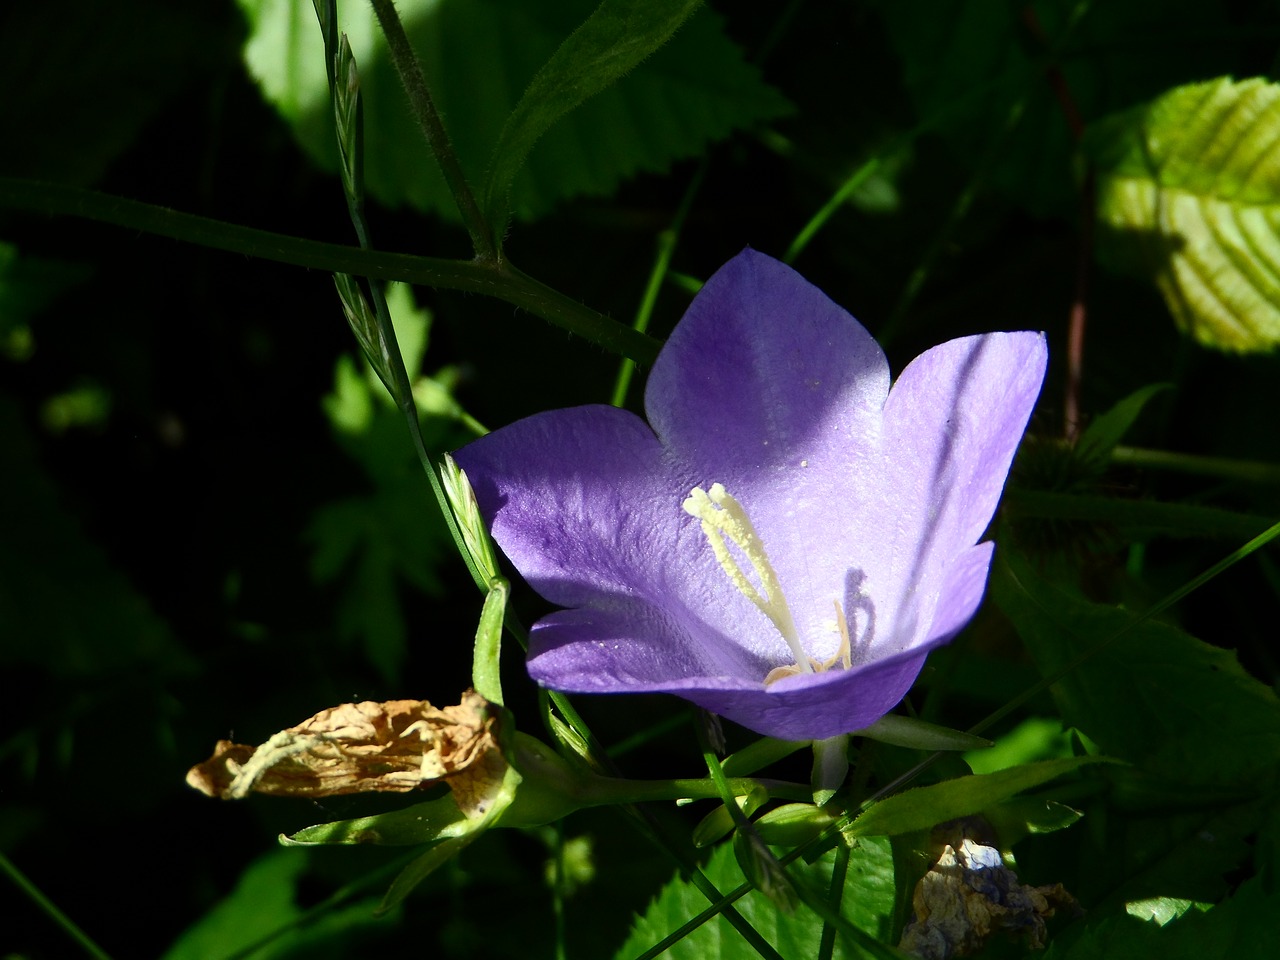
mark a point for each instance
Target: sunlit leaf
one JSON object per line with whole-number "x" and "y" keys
{"x": 1036, "y": 738}
{"x": 480, "y": 56}
{"x": 1190, "y": 183}
{"x": 614, "y": 39}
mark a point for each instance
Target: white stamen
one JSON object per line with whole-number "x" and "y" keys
{"x": 845, "y": 653}
{"x": 723, "y": 518}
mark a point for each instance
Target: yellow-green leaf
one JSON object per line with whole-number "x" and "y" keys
{"x": 1190, "y": 186}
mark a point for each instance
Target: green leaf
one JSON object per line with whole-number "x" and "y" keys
{"x": 925, "y": 807}
{"x": 867, "y": 904}
{"x": 1171, "y": 704}
{"x": 1190, "y": 186}
{"x": 479, "y": 56}
{"x": 1036, "y": 738}
{"x": 1109, "y": 428}
{"x": 612, "y": 41}
{"x": 263, "y": 910}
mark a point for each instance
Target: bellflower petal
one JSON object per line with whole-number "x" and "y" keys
{"x": 866, "y": 504}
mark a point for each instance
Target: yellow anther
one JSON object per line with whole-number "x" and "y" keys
{"x": 723, "y": 522}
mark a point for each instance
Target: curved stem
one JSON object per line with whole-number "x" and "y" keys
{"x": 495, "y": 278}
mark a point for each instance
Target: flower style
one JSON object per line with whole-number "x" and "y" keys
{"x": 787, "y": 537}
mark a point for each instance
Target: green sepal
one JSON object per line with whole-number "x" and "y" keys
{"x": 792, "y": 824}
{"x": 550, "y": 789}
{"x": 719, "y": 821}
{"x": 830, "y": 767}
{"x": 916, "y": 734}
{"x": 924, "y": 807}
{"x": 428, "y": 822}
{"x": 763, "y": 871}
{"x": 485, "y": 676}
{"x": 758, "y": 755}
{"x": 421, "y": 868}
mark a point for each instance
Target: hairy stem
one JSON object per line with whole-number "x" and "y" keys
{"x": 495, "y": 278}
{"x": 424, "y": 111}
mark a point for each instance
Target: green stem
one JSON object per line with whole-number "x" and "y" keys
{"x": 667, "y": 240}
{"x": 1250, "y": 471}
{"x": 819, "y": 219}
{"x": 603, "y": 791}
{"x": 1172, "y": 519}
{"x": 424, "y": 111}
{"x": 495, "y": 279}
{"x": 835, "y": 897}
{"x": 50, "y": 909}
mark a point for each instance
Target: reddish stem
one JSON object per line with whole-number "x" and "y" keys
{"x": 1079, "y": 305}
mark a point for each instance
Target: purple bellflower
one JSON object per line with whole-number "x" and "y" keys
{"x": 787, "y": 537}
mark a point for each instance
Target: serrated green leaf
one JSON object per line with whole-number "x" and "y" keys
{"x": 1162, "y": 699}
{"x": 1241, "y": 926}
{"x": 925, "y": 807}
{"x": 867, "y": 904}
{"x": 479, "y": 56}
{"x": 1190, "y": 184}
{"x": 613, "y": 40}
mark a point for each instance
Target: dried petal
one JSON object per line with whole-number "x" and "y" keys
{"x": 395, "y": 746}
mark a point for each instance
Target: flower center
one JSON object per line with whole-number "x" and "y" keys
{"x": 724, "y": 522}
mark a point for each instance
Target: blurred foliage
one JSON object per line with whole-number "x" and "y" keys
{"x": 368, "y": 545}
{"x": 212, "y": 521}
